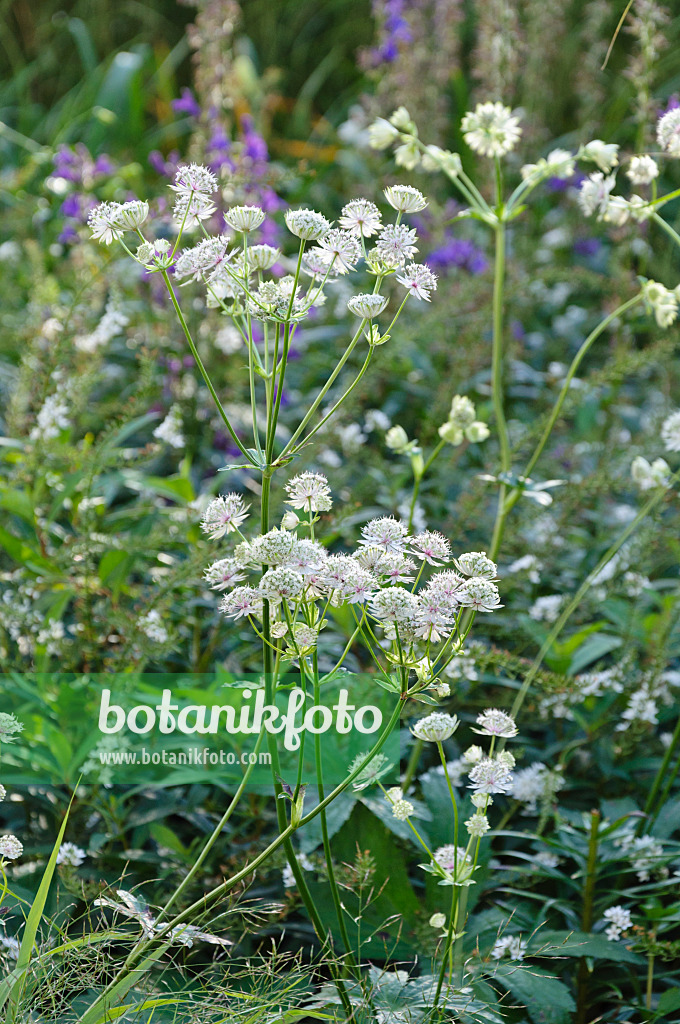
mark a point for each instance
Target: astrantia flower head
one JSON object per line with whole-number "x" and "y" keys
{"x": 436, "y": 727}
{"x": 262, "y": 257}
{"x": 108, "y": 220}
{"x": 307, "y": 557}
{"x": 642, "y": 170}
{"x": 339, "y": 249}
{"x": 281, "y": 583}
{"x": 224, "y": 515}
{"x": 9, "y": 727}
{"x": 191, "y": 208}
{"x": 480, "y": 594}
{"x": 397, "y": 243}
{"x": 432, "y": 547}
{"x": 493, "y": 722}
{"x": 223, "y": 574}
{"x": 367, "y": 306}
{"x": 3, "y": 793}
{"x": 244, "y": 218}
{"x": 242, "y": 601}
{"x": 476, "y": 563}
{"x": 418, "y": 280}
{"x": 194, "y": 178}
{"x": 382, "y": 134}
{"x": 668, "y": 131}
{"x": 670, "y": 432}
{"x": 449, "y": 856}
{"x": 405, "y": 198}
{"x": 272, "y": 548}
{"x": 663, "y": 302}
{"x": 204, "y": 259}
{"x": 595, "y": 192}
{"x": 478, "y": 825}
{"x": 491, "y": 129}
{"x": 155, "y": 255}
{"x": 10, "y": 847}
{"x": 402, "y": 809}
{"x": 309, "y": 491}
{"x": 463, "y": 415}
{"x": 360, "y": 217}
{"x": 307, "y": 224}
{"x": 71, "y": 854}
{"x": 386, "y": 533}
{"x": 604, "y": 154}
{"x": 490, "y": 776}
{"x": 394, "y": 604}
{"x": 648, "y": 475}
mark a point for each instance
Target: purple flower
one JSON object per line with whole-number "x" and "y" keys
{"x": 458, "y": 252}
{"x": 166, "y": 168}
{"x": 255, "y": 147}
{"x": 186, "y": 104}
{"x": 587, "y": 246}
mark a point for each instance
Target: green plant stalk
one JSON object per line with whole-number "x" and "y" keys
{"x": 452, "y": 947}
{"x": 587, "y": 916}
{"x": 201, "y": 367}
{"x": 649, "y": 992}
{"x": 663, "y": 773}
{"x": 213, "y": 897}
{"x": 497, "y": 383}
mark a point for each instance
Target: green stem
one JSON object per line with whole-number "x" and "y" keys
{"x": 587, "y": 915}
{"x": 662, "y": 774}
{"x": 202, "y": 369}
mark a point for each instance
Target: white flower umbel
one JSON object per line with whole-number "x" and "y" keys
{"x": 244, "y": 218}
{"x": 436, "y": 727}
{"x": 405, "y": 198}
{"x": 307, "y": 224}
{"x": 397, "y": 243}
{"x": 281, "y": 584}
{"x": 10, "y": 726}
{"x": 309, "y": 491}
{"x": 480, "y": 594}
{"x": 476, "y": 563}
{"x": 490, "y": 775}
{"x": 648, "y": 475}
{"x": 494, "y": 722}
{"x": 191, "y": 208}
{"x": 594, "y": 194}
{"x": 170, "y": 430}
{"x": 207, "y": 259}
{"x": 604, "y": 154}
{"x": 619, "y": 920}
{"x": 642, "y": 170}
{"x": 511, "y": 946}
{"x": 71, "y": 854}
{"x": 546, "y": 608}
{"x": 108, "y": 221}
{"x": 262, "y": 257}
{"x": 224, "y": 515}
{"x": 194, "y": 178}
{"x": 670, "y": 432}
{"x": 367, "y": 306}
{"x": 242, "y": 601}
{"x": 668, "y": 132}
{"x": 663, "y": 302}
{"x": 478, "y": 825}
{"x": 223, "y": 574}
{"x": 418, "y": 280}
{"x": 340, "y": 249}
{"x": 361, "y": 218}
{"x": 386, "y": 533}
{"x": 491, "y": 129}
{"x": 10, "y": 847}
{"x": 431, "y": 547}
{"x": 151, "y": 626}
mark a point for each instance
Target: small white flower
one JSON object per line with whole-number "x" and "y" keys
{"x": 619, "y": 922}
{"x": 436, "y": 727}
{"x": 360, "y": 217}
{"x": 194, "y": 178}
{"x": 281, "y": 584}
{"x": 490, "y": 775}
{"x": 307, "y": 224}
{"x": 367, "y": 306}
{"x": 491, "y": 129}
{"x": 407, "y": 155}
{"x": 152, "y": 627}
{"x": 382, "y": 134}
{"x": 670, "y": 432}
{"x": 477, "y": 432}
{"x": 262, "y": 257}
{"x": 224, "y": 515}
{"x": 547, "y": 608}
{"x": 339, "y": 250}
{"x": 478, "y": 825}
{"x": 418, "y": 280}
{"x": 432, "y": 547}
{"x": 396, "y": 243}
{"x": 242, "y": 601}
{"x": 494, "y": 722}
{"x": 664, "y": 303}
{"x": 402, "y": 809}
{"x": 405, "y": 198}
{"x": 170, "y": 430}
{"x": 223, "y": 574}
{"x": 10, "y": 847}
{"x": 642, "y": 170}
{"x": 594, "y": 194}
{"x": 386, "y": 533}
{"x": 10, "y": 726}
{"x": 480, "y": 594}
{"x": 509, "y": 945}
{"x": 244, "y": 218}
{"x": 71, "y": 854}
{"x": 3, "y": 793}
{"x": 109, "y": 220}
{"x": 604, "y": 154}
{"x": 437, "y": 921}
{"x": 309, "y": 491}
{"x": 668, "y": 132}
{"x": 476, "y": 563}
{"x": 648, "y": 475}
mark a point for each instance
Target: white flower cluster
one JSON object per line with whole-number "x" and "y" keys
{"x": 670, "y": 432}
{"x": 648, "y": 475}
{"x": 113, "y": 322}
{"x": 71, "y": 855}
{"x": 109, "y": 221}
{"x": 619, "y": 920}
{"x": 170, "y": 430}
{"x": 10, "y": 848}
{"x": 512, "y": 946}
{"x": 491, "y": 129}
{"x": 645, "y": 854}
{"x": 533, "y": 784}
{"x": 462, "y": 423}
{"x": 301, "y": 572}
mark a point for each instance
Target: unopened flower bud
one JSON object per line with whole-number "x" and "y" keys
{"x": 396, "y": 438}
{"x": 438, "y": 920}
{"x": 477, "y": 432}
{"x": 401, "y": 119}
{"x": 451, "y": 433}
{"x": 289, "y": 521}
{"x": 473, "y": 754}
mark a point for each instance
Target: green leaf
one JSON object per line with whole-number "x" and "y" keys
{"x": 547, "y": 1000}
{"x": 11, "y": 988}
{"x": 670, "y": 1000}
{"x": 578, "y": 944}
{"x": 595, "y": 647}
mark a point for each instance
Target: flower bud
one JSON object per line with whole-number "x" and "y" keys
{"x": 477, "y": 432}
{"x": 396, "y": 438}
{"x": 289, "y": 521}
{"x": 438, "y": 920}
{"x": 451, "y": 433}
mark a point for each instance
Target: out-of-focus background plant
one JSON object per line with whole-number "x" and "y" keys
{"x": 110, "y": 449}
